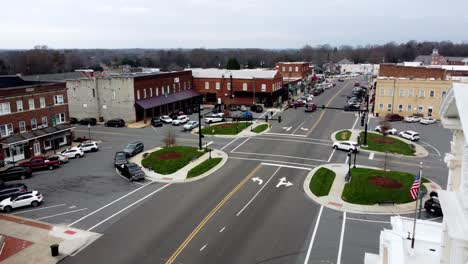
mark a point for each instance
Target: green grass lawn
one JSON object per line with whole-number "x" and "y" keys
{"x": 260, "y": 128}
{"x": 394, "y": 145}
{"x": 343, "y": 135}
{"x": 170, "y": 159}
{"x": 360, "y": 191}
{"x": 203, "y": 167}
{"x": 322, "y": 181}
{"x": 226, "y": 128}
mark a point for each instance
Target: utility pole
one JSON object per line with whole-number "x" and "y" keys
{"x": 200, "y": 136}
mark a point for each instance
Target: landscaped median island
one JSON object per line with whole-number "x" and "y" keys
{"x": 343, "y": 135}
{"x": 203, "y": 167}
{"x": 377, "y": 142}
{"x": 260, "y": 128}
{"x": 170, "y": 159}
{"x": 370, "y": 186}
{"x": 226, "y": 128}
{"x": 321, "y": 182}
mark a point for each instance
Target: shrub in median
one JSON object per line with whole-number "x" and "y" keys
{"x": 260, "y": 128}
{"x": 170, "y": 159}
{"x": 203, "y": 167}
{"x": 343, "y": 135}
{"x": 322, "y": 181}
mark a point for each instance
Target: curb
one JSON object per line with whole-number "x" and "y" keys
{"x": 242, "y": 134}
{"x": 212, "y": 170}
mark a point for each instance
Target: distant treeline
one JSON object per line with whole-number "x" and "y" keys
{"x": 42, "y": 60}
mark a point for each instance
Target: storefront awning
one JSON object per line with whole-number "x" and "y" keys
{"x": 34, "y": 134}
{"x": 162, "y": 100}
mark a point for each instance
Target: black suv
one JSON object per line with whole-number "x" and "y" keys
{"x": 156, "y": 121}
{"x": 134, "y": 148}
{"x": 9, "y": 190}
{"x": 131, "y": 171}
{"x": 256, "y": 108}
{"x": 73, "y": 120}
{"x": 117, "y": 122}
{"x": 120, "y": 158}
{"x": 88, "y": 121}
{"x": 15, "y": 173}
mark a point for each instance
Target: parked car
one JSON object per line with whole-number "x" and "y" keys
{"x": 61, "y": 158}
{"x": 233, "y": 107}
{"x": 33, "y": 198}
{"x": 246, "y": 116}
{"x": 40, "y": 163}
{"x": 391, "y": 131}
{"x": 117, "y": 122}
{"x": 9, "y": 190}
{"x": 88, "y": 121}
{"x": 298, "y": 103}
{"x": 256, "y": 108}
{"x": 410, "y": 135}
{"x": 243, "y": 108}
{"x": 134, "y": 148}
{"x": 352, "y": 107}
{"x": 427, "y": 120}
{"x": 131, "y": 171}
{"x": 120, "y": 158}
{"x": 174, "y": 115}
{"x": 357, "y": 84}
{"x": 89, "y": 146}
{"x": 412, "y": 119}
{"x": 73, "y": 153}
{"x": 166, "y": 119}
{"x": 433, "y": 205}
{"x": 214, "y": 118}
{"x": 157, "y": 122}
{"x": 340, "y": 79}
{"x": 346, "y": 145}
{"x": 73, "y": 120}
{"x": 182, "y": 119}
{"x": 393, "y": 117}
{"x": 310, "y": 107}
{"x": 190, "y": 125}
{"x": 15, "y": 173}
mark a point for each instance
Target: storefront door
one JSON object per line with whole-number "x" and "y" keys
{"x": 37, "y": 149}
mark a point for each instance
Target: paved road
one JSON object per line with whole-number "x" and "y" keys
{"x": 230, "y": 218}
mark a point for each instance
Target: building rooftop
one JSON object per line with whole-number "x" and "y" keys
{"x": 55, "y": 77}
{"x": 293, "y": 62}
{"x": 14, "y": 81}
{"x": 236, "y": 74}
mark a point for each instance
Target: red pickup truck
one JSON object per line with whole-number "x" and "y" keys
{"x": 40, "y": 163}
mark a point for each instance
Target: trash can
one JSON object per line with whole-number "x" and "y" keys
{"x": 54, "y": 250}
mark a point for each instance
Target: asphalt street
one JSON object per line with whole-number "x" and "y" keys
{"x": 252, "y": 210}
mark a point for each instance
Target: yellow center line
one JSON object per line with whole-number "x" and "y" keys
{"x": 210, "y": 215}
{"x": 323, "y": 112}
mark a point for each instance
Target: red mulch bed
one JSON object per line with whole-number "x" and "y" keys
{"x": 386, "y": 141}
{"x": 385, "y": 183}
{"x": 225, "y": 126}
{"x": 169, "y": 156}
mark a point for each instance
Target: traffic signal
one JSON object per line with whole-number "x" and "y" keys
{"x": 323, "y": 107}
{"x": 363, "y": 117}
{"x": 279, "y": 119}
{"x": 266, "y": 118}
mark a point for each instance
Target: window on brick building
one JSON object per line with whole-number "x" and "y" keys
{"x": 263, "y": 87}
{"x": 244, "y": 87}
{"x": 138, "y": 94}
{"x": 218, "y": 86}
{"x": 297, "y": 69}
{"x": 6, "y": 130}
{"x": 151, "y": 91}
{"x": 185, "y": 86}
{"x": 173, "y": 87}
{"x": 33, "y": 123}
{"x": 157, "y": 91}
{"x": 31, "y": 104}
{"x": 44, "y": 121}
{"x": 19, "y": 106}
{"x": 60, "y": 118}
{"x": 42, "y": 103}
{"x": 229, "y": 86}
{"x": 431, "y": 94}
{"x": 188, "y": 85}
{"x": 22, "y": 126}
{"x": 290, "y": 68}
{"x": 207, "y": 85}
{"x": 144, "y": 93}
{"x": 58, "y": 99}
{"x": 284, "y": 69}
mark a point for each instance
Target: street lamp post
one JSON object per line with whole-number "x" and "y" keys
{"x": 89, "y": 131}
{"x": 349, "y": 165}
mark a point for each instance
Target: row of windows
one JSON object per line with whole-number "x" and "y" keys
{"x": 274, "y": 86}
{"x": 290, "y": 68}
{"x": 409, "y": 108}
{"x": 7, "y": 129}
{"x": 164, "y": 90}
{"x": 5, "y": 108}
{"x": 409, "y": 92}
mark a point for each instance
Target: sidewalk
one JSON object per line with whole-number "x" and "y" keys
{"x": 333, "y": 199}
{"x": 29, "y": 241}
{"x": 181, "y": 175}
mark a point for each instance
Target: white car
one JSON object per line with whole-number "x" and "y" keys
{"x": 214, "y": 118}
{"x": 73, "y": 153}
{"x": 61, "y": 158}
{"x": 427, "y": 120}
{"x": 410, "y": 135}
{"x": 411, "y": 119}
{"x": 190, "y": 125}
{"x": 89, "y": 146}
{"x": 346, "y": 145}
{"x": 33, "y": 199}
{"x": 182, "y": 119}
{"x": 166, "y": 119}
{"x": 391, "y": 131}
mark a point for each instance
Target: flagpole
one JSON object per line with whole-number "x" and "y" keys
{"x": 416, "y": 208}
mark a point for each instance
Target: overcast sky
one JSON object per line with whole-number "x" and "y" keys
{"x": 227, "y": 24}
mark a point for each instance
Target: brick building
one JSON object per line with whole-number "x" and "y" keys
{"x": 33, "y": 117}
{"x": 436, "y": 59}
{"x": 410, "y": 90}
{"x": 294, "y": 70}
{"x": 131, "y": 96}
{"x": 249, "y": 86}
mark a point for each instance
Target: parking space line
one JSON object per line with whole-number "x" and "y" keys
{"x": 277, "y": 161}
{"x": 276, "y": 155}
{"x": 90, "y": 214}
{"x": 42, "y": 208}
{"x": 340, "y": 248}
{"x": 253, "y": 198}
{"x": 240, "y": 145}
{"x": 69, "y": 212}
{"x": 139, "y": 200}
{"x": 313, "y": 236}
{"x": 331, "y": 155}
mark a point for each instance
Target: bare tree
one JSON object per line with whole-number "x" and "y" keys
{"x": 385, "y": 126}
{"x": 170, "y": 139}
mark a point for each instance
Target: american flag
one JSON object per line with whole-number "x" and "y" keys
{"x": 414, "y": 190}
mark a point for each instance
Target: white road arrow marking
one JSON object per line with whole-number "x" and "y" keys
{"x": 287, "y": 128}
{"x": 256, "y": 179}
{"x": 284, "y": 182}
{"x": 305, "y": 129}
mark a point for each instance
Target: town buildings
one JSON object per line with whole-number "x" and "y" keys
{"x": 239, "y": 87}
{"x": 410, "y": 90}
{"x": 33, "y": 117}
{"x": 362, "y": 68}
{"x": 132, "y": 96}
{"x": 294, "y": 70}
{"x": 436, "y": 59}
